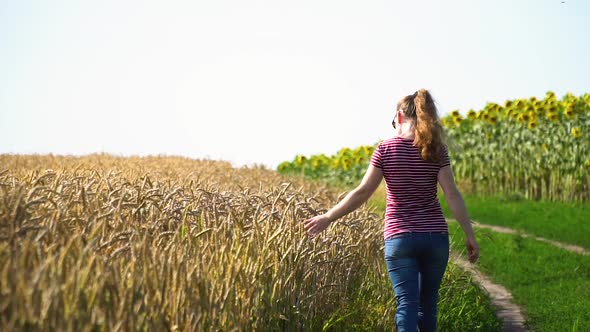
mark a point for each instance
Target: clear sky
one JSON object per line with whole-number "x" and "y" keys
{"x": 262, "y": 81}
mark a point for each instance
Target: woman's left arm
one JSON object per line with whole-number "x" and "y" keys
{"x": 351, "y": 202}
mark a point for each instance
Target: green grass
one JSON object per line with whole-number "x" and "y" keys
{"x": 463, "y": 306}
{"x": 551, "y": 284}
{"x": 565, "y": 222}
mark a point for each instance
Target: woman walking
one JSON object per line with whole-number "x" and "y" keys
{"x": 415, "y": 231}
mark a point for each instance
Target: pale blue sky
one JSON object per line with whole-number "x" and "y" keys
{"x": 262, "y": 81}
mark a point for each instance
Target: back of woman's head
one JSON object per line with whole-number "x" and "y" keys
{"x": 428, "y": 135}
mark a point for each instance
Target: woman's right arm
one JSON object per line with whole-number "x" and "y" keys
{"x": 457, "y": 206}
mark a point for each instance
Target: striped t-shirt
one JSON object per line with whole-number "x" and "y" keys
{"x": 411, "y": 204}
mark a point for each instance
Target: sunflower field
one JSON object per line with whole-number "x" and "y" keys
{"x": 346, "y": 167}
{"x": 535, "y": 148}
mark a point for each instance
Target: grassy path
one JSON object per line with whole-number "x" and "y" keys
{"x": 506, "y": 310}
{"x": 506, "y": 230}
{"x": 558, "y": 221}
{"x": 551, "y": 284}
{"x": 522, "y": 247}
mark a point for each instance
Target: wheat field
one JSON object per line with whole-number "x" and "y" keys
{"x": 167, "y": 243}
{"x": 103, "y": 243}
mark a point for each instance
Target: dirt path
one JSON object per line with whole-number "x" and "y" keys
{"x": 506, "y": 230}
{"x": 509, "y": 313}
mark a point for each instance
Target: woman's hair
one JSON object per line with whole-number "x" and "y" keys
{"x": 428, "y": 130}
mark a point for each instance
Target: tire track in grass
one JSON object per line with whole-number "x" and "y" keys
{"x": 506, "y": 230}
{"x": 509, "y": 313}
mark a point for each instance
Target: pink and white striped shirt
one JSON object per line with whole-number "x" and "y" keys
{"x": 411, "y": 203}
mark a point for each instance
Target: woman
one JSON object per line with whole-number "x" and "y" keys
{"x": 415, "y": 231}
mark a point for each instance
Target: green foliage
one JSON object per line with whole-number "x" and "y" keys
{"x": 537, "y": 148}
{"x": 561, "y": 221}
{"x": 347, "y": 167}
{"x": 551, "y": 284}
{"x": 463, "y": 305}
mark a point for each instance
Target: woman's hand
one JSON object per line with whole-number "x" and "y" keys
{"x": 354, "y": 199}
{"x": 472, "y": 249}
{"x": 314, "y": 226}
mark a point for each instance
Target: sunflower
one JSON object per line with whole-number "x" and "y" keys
{"x": 533, "y": 124}
{"x": 345, "y": 152}
{"x": 299, "y": 160}
{"x": 316, "y": 163}
{"x": 335, "y": 163}
{"x": 552, "y": 116}
{"x": 493, "y": 119}
{"x": 523, "y": 117}
{"x": 569, "y": 112}
{"x": 283, "y": 166}
{"x": 346, "y": 163}
{"x": 576, "y": 132}
{"x": 455, "y": 113}
{"x": 457, "y": 119}
{"x": 588, "y": 162}
{"x": 471, "y": 115}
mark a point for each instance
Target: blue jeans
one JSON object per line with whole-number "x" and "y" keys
{"x": 416, "y": 263}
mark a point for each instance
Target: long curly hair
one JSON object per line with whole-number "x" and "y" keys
{"x": 428, "y": 131}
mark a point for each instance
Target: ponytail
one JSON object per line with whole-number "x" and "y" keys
{"x": 428, "y": 132}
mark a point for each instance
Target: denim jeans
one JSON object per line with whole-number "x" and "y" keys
{"x": 416, "y": 263}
